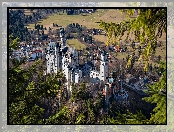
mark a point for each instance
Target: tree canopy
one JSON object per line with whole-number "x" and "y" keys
{"x": 146, "y": 28}
{"x": 26, "y": 89}
{"x": 158, "y": 95}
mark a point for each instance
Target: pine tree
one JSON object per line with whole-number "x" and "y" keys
{"x": 80, "y": 119}
{"x": 158, "y": 96}
{"x": 74, "y": 93}
{"x": 91, "y": 115}
{"x": 26, "y": 88}
{"x": 61, "y": 117}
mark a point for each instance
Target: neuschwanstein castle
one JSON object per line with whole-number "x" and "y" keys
{"x": 61, "y": 57}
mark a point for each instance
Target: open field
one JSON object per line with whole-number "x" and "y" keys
{"x": 107, "y": 15}
{"x": 101, "y": 38}
{"x": 63, "y": 19}
{"x": 119, "y": 55}
{"x": 75, "y": 44}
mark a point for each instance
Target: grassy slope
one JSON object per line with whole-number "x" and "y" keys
{"x": 75, "y": 44}
{"x": 107, "y": 15}
{"x": 64, "y": 20}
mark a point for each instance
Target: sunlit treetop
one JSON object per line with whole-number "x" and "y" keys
{"x": 146, "y": 28}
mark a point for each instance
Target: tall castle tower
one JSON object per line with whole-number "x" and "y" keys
{"x": 75, "y": 57}
{"x": 62, "y": 37}
{"x": 52, "y": 58}
{"x": 104, "y": 66}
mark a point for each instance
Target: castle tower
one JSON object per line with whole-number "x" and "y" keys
{"x": 67, "y": 72}
{"x": 104, "y": 66}
{"x": 77, "y": 76}
{"x": 93, "y": 62}
{"x": 52, "y": 58}
{"x": 64, "y": 62}
{"x": 76, "y": 61}
{"x": 62, "y": 37}
{"x": 60, "y": 61}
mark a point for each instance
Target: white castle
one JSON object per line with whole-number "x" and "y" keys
{"x": 64, "y": 58}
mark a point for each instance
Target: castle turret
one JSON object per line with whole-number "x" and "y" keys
{"x": 76, "y": 61}
{"x": 104, "y": 67}
{"x": 67, "y": 72}
{"x": 62, "y": 37}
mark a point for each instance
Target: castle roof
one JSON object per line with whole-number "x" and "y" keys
{"x": 64, "y": 50}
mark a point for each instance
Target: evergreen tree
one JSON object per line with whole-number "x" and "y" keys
{"x": 158, "y": 96}
{"x": 61, "y": 117}
{"x": 26, "y": 88}
{"x": 146, "y": 22}
{"x": 91, "y": 116}
{"x": 74, "y": 93}
{"x": 80, "y": 119}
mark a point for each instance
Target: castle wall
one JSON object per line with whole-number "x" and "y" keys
{"x": 78, "y": 76}
{"x": 57, "y": 59}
